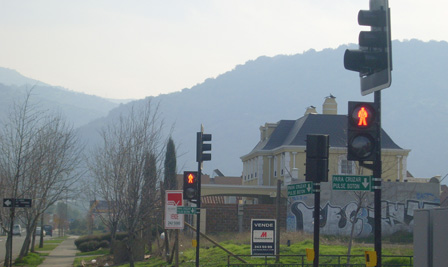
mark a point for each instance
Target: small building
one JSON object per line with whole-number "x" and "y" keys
{"x": 280, "y": 152}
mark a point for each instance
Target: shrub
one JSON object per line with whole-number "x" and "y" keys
{"x": 401, "y": 237}
{"x": 89, "y": 246}
{"x": 81, "y": 240}
{"x": 98, "y": 238}
{"x": 121, "y": 236}
{"x": 104, "y": 244}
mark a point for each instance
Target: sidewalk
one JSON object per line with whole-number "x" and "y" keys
{"x": 63, "y": 255}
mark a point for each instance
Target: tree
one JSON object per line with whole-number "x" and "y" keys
{"x": 119, "y": 166}
{"x": 40, "y": 158}
{"x": 150, "y": 198}
{"x": 170, "y": 182}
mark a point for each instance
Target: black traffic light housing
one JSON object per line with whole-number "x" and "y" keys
{"x": 362, "y": 132}
{"x": 373, "y": 59}
{"x": 201, "y": 147}
{"x": 191, "y": 186}
{"x": 317, "y": 146}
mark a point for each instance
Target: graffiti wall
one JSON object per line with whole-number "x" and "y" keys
{"x": 342, "y": 212}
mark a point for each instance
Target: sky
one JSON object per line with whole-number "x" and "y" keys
{"x": 133, "y": 49}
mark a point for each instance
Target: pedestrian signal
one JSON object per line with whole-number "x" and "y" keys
{"x": 191, "y": 186}
{"x": 362, "y": 132}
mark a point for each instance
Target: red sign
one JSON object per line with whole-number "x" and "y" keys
{"x": 173, "y": 199}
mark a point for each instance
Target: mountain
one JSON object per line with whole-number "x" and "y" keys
{"x": 78, "y": 108}
{"x": 12, "y": 77}
{"x": 235, "y": 104}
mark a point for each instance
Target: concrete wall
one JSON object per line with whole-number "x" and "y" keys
{"x": 431, "y": 237}
{"x": 230, "y": 217}
{"x": 399, "y": 200}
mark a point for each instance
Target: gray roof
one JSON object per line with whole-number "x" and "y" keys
{"x": 294, "y": 132}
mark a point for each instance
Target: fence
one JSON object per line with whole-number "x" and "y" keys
{"x": 324, "y": 260}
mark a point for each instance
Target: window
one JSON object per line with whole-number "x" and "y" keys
{"x": 275, "y": 166}
{"x": 282, "y": 163}
{"x": 346, "y": 166}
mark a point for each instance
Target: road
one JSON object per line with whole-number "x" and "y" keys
{"x": 17, "y": 243}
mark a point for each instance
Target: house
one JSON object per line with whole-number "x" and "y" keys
{"x": 280, "y": 152}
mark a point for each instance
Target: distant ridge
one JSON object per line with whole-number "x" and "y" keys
{"x": 78, "y": 108}
{"x": 12, "y": 77}
{"x": 233, "y": 105}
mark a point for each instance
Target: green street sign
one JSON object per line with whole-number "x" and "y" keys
{"x": 186, "y": 210}
{"x": 351, "y": 183}
{"x": 300, "y": 189}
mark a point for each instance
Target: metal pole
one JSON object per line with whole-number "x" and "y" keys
{"x": 316, "y": 223}
{"x": 198, "y": 215}
{"x": 277, "y": 226}
{"x": 377, "y": 170}
{"x": 13, "y": 208}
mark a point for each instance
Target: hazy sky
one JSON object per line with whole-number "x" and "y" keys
{"x": 133, "y": 49}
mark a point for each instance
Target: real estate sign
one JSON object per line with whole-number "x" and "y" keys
{"x": 263, "y": 237}
{"x": 173, "y": 199}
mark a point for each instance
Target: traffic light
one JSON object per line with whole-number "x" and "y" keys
{"x": 201, "y": 147}
{"x": 373, "y": 59}
{"x": 362, "y": 133}
{"x": 317, "y": 146}
{"x": 191, "y": 186}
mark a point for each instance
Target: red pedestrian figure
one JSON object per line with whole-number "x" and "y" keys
{"x": 362, "y": 115}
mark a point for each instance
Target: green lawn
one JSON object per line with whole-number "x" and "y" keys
{"x": 211, "y": 255}
{"x": 31, "y": 260}
{"x": 101, "y": 251}
{"x": 214, "y": 256}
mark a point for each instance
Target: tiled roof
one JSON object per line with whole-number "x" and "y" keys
{"x": 294, "y": 132}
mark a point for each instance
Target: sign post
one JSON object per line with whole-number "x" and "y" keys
{"x": 17, "y": 202}
{"x": 300, "y": 189}
{"x": 187, "y": 210}
{"x": 14, "y": 203}
{"x": 351, "y": 183}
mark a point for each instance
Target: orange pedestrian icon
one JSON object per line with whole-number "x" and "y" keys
{"x": 190, "y": 178}
{"x": 362, "y": 115}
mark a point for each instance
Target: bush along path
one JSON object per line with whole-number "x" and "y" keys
{"x": 63, "y": 255}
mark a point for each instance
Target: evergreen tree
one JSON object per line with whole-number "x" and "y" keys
{"x": 170, "y": 182}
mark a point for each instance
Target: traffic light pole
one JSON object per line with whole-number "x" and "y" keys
{"x": 198, "y": 214}
{"x": 377, "y": 170}
{"x": 316, "y": 223}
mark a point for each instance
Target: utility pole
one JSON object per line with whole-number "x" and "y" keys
{"x": 377, "y": 170}
{"x": 317, "y": 150}
{"x": 200, "y": 157}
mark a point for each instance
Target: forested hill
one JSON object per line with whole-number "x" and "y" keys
{"x": 78, "y": 108}
{"x": 233, "y": 105}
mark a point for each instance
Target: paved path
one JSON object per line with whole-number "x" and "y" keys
{"x": 63, "y": 255}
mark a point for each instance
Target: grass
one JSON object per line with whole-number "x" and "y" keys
{"x": 77, "y": 262}
{"x": 56, "y": 240}
{"x": 35, "y": 258}
{"x": 31, "y": 260}
{"x": 239, "y": 244}
{"x": 101, "y": 251}
{"x": 46, "y": 247}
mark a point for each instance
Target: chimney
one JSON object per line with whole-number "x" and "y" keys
{"x": 267, "y": 130}
{"x": 310, "y": 110}
{"x": 330, "y": 107}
